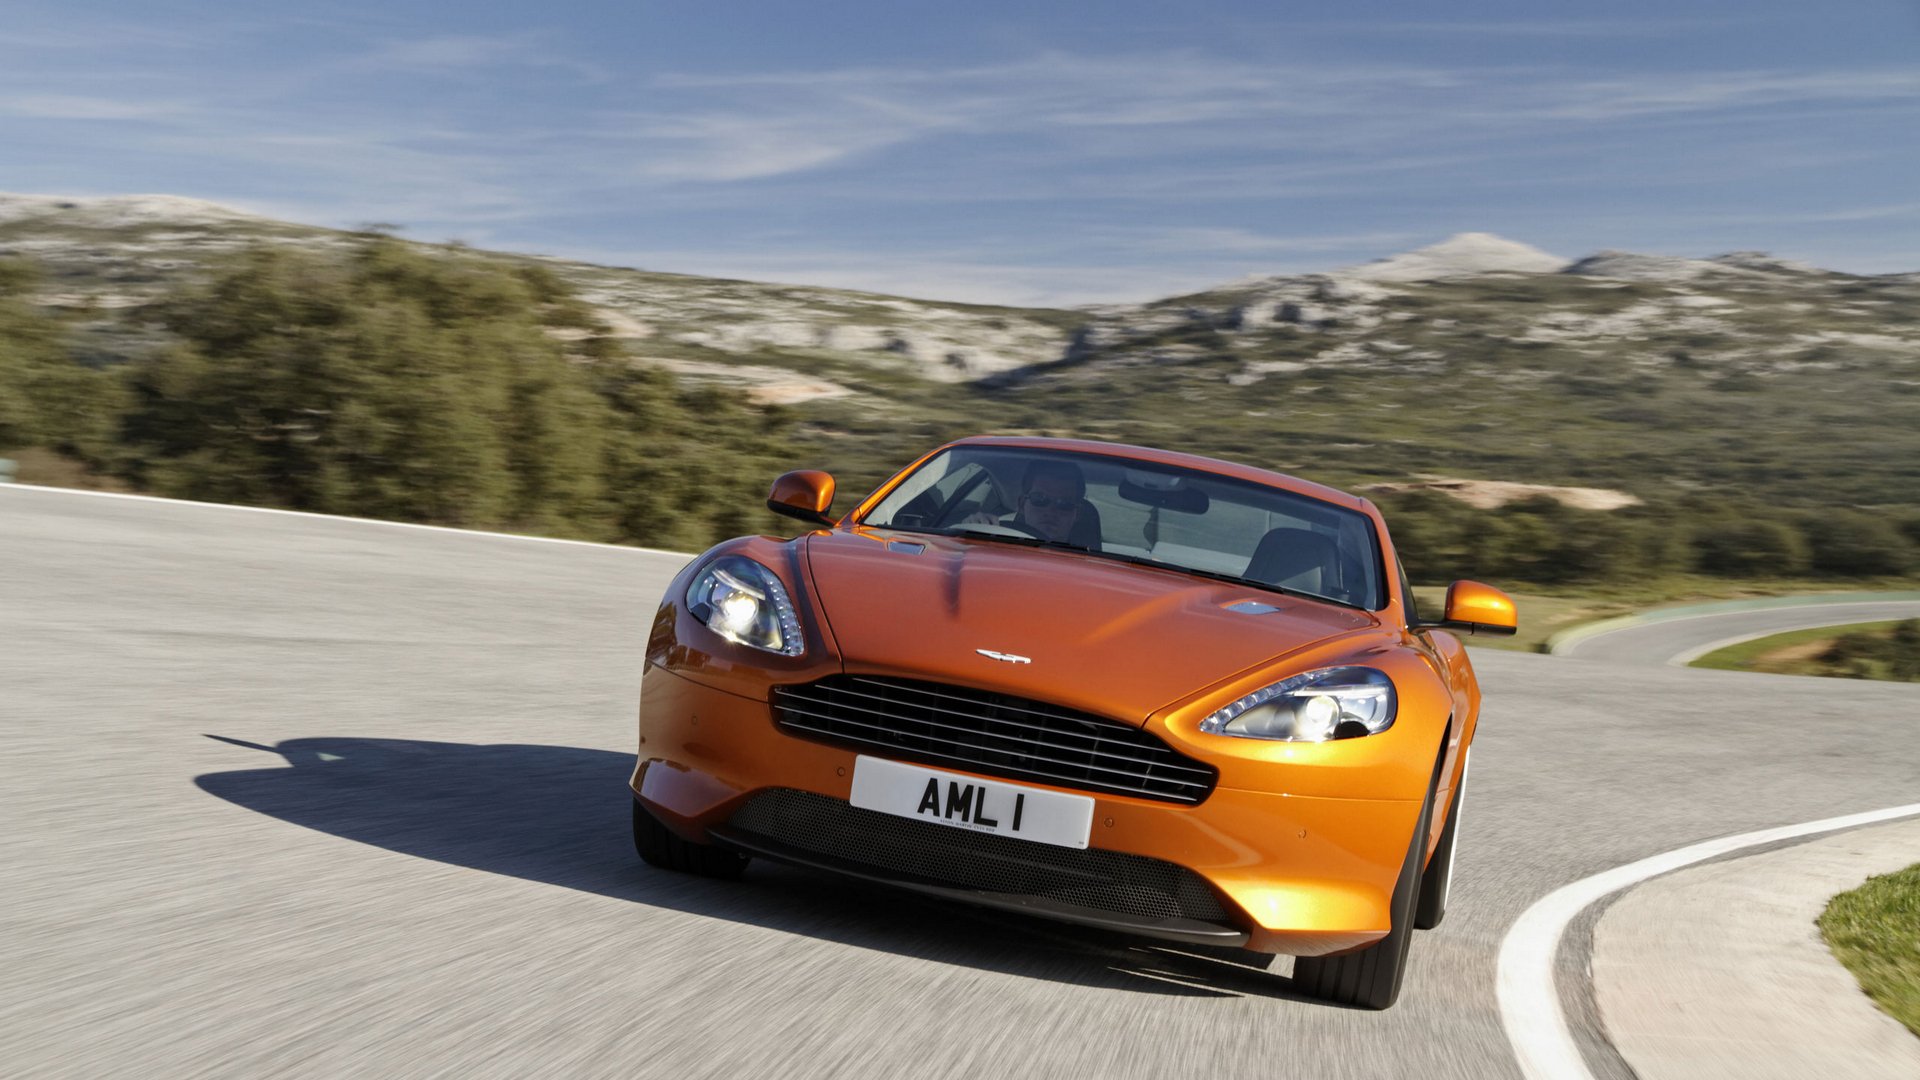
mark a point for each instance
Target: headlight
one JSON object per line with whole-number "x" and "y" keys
{"x": 1332, "y": 703}
{"x": 744, "y": 602}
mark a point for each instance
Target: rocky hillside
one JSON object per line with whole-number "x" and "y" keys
{"x": 1477, "y": 360}
{"x": 783, "y": 343}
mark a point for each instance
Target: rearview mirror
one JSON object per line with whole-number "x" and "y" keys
{"x": 806, "y": 494}
{"x": 1478, "y": 609}
{"x": 1165, "y": 492}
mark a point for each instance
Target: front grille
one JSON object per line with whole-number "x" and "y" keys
{"x": 961, "y": 858}
{"x": 995, "y": 734}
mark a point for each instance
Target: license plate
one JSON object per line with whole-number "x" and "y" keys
{"x": 968, "y": 802}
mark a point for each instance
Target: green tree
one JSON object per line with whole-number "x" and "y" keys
{"x": 1749, "y": 547}
{"x": 1850, "y": 543}
{"x": 1910, "y": 527}
{"x": 1903, "y": 661}
{"x": 1431, "y": 533}
{"x": 46, "y": 397}
{"x": 391, "y": 382}
{"x": 405, "y": 382}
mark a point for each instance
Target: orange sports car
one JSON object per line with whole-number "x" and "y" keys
{"x": 1147, "y": 691}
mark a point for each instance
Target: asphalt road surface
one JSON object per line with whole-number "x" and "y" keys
{"x": 293, "y": 796}
{"x": 1679, "y": 641}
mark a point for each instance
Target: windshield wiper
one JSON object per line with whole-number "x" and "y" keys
{"x": 1008, "y": 534}
{"x": 1231, "y": 579}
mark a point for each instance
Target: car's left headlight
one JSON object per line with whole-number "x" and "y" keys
{"x": 1331, "y": 703}
{"x": 744, "y": 602}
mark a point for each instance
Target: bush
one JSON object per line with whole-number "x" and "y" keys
{"x": 1910, "y": 528}
{"x": 1749, "y": 548}
{"x": 443, "y": 388}
{"x": 1868, "y": 654}
{"x": 1848, "y": 543}
{"x": 1537, "y": 540}
{"x": 47, "y": 398}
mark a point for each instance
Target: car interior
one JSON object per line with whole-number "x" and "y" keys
{"x": 1169, "y": 516}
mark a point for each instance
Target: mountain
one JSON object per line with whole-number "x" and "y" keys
{"x": 118, "y": 211}
{"x": 121, "y": 252}
{"x": 1461, "y": 255}
{"x": 1477, "y": 358}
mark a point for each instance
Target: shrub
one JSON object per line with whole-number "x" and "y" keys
{"x": 47, "y": 398}
{"x": 1848, "y": 543}
{"x": 1749, "y": 548}
{"x": 434, "y": 387}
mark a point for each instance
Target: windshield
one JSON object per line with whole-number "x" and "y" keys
{"x": 1143, "y": 512}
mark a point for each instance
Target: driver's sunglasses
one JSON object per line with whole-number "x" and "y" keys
{"x": 1050, "y": 502}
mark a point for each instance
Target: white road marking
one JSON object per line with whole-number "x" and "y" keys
{"x": 342, "y": 517}
{"x": 1529, "y": 999}
{"x": 1683, "y": 659}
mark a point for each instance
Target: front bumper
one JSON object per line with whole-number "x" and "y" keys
{"x": 1294, "y": 874}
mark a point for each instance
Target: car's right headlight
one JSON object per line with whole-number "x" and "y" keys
{"x": 744, "y": 602}
{"x": 1331, "y": 703}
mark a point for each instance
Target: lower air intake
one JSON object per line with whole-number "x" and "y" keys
{"x": 958, "y": 858}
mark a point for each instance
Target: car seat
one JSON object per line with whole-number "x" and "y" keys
{"x": 1298, "y": 559}
{"x": 1086, "y": 527}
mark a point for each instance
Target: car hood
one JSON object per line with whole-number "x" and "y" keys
{"x": 1095, "y": 634}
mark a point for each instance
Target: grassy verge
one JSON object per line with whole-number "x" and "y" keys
{"x": 1875, "y": 931}
{"x": 38, "y": 465}
{"x": 1795, "y": 652}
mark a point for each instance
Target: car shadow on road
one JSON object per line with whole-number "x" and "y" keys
{"x": 559, "y": 815}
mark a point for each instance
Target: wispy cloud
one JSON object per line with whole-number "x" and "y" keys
{"x": 1240, "y": 242}
{"x": 1077, "y": 175}
{"x": 73, "y": 31}
{"x": 1832, "y": 216}
{"x": 1152, "y": 106}
{"x": 76, "y": 107}
{"x": 1548, "y": 26}
{"x": 351, "y": 176}
{"x": 1625, "y": 98}
{"x": 471, "y": 53}
{"x": 726, "y": 146}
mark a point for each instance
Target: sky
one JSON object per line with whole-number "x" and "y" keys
{"x": 1011, "y": 153}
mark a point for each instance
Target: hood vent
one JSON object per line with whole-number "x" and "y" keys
{"x": 1252, "y": 607}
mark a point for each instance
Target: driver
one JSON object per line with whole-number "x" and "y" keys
{"x": 1049, "y": 505}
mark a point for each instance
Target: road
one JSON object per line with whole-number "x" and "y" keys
{"x": 1680, "y": 641}
{"x": 308, "y": 797}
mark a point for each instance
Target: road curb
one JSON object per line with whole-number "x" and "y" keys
{"x": 1718, "y": 971}
{"x": 1566, "y": 639}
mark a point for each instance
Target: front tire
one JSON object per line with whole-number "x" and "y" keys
{"x": 662, "y": 847}
{"x": 1370, "y": 978}
{"x": 1436, "y": 885}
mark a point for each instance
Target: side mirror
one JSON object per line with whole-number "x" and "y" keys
{"x": 806, "y": 494}
{"x": 1478, "y": 609}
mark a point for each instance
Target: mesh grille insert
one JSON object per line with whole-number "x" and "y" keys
{"x": 995, "y": 734}
{"x": 959, "y": 858}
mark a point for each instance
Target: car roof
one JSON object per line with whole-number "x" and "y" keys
{"x": 1171, "y": 457}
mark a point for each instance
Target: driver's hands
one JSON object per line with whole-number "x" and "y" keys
{"x": 980, "y": 517}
